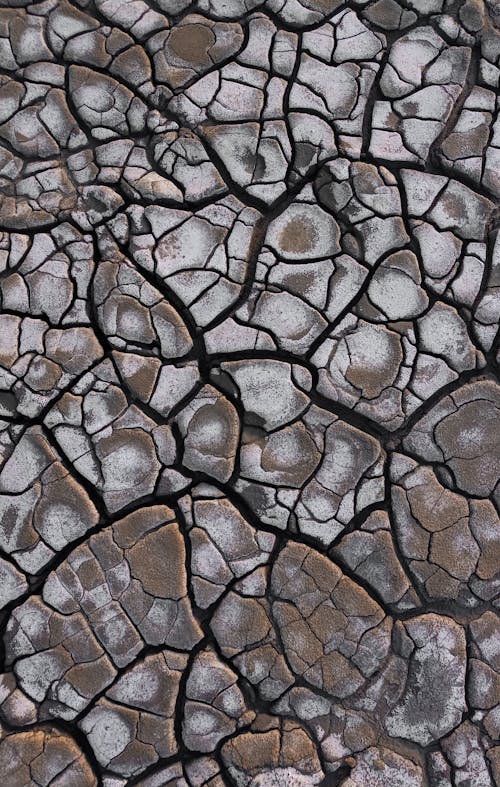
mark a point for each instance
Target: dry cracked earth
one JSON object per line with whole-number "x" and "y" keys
{"x": 249, "y": 451}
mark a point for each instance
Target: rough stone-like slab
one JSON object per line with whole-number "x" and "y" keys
{"x": 249, "y": 400}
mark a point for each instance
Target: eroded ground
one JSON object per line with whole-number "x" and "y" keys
{"x": 250, "y": 434}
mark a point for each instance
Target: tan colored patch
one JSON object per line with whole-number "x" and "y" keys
{"x": 300, "y": 282}
{"x": 298, "y": 236}
{"x": 191, "y": 43}
{"x": 324, "y": 5}
{"x": 157, "y": 561}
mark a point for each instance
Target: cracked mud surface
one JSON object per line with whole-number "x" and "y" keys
{"x": 249, "y": 416}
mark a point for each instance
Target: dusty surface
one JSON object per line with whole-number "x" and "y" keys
{"x": 249, "y": 418}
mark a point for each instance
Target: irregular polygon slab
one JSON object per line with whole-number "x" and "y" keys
{"x": 433, "y": 699}
{"x": 44, "y": 756}
{"x": 124, "y": 589}
{"x": 283, "y": 752}
{"x": 133, "y": 725}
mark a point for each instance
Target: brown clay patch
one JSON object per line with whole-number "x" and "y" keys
{"x": 299, "y": 235}
{"x": 191, "y": 43}
{"x": 324, "y": 5}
